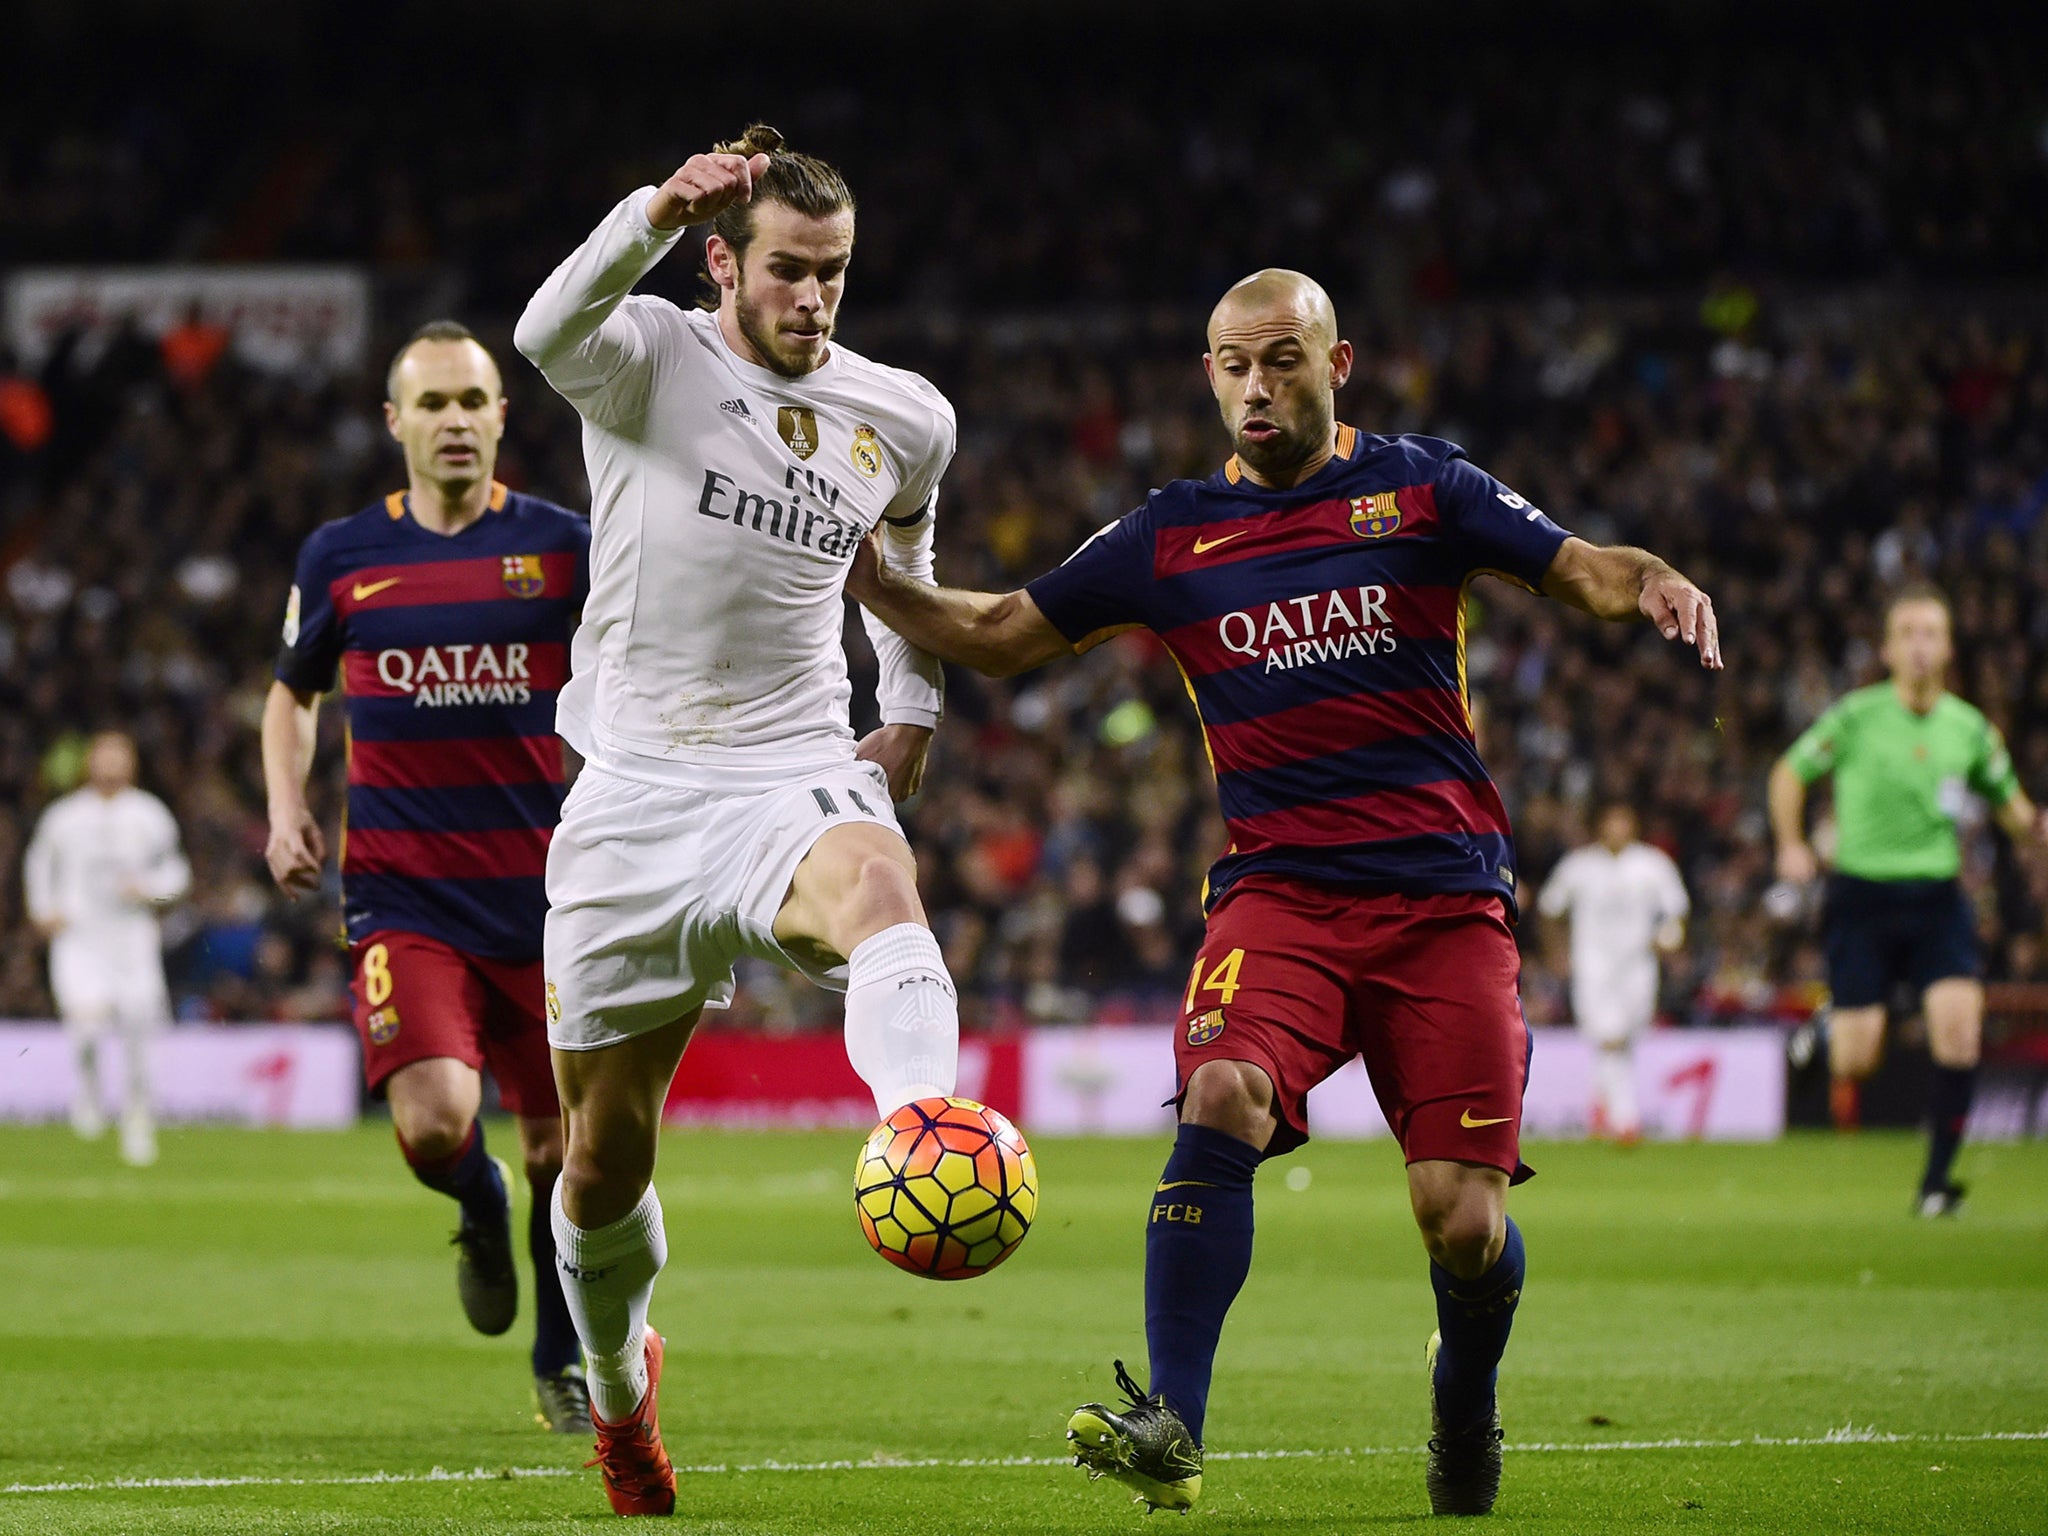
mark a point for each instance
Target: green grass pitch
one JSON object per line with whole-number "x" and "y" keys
{"x": 1713, "y": 1339}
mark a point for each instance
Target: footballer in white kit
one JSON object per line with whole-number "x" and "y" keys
{"x": 1626, "y": 904}
{"x": 737, "y": 457}
{"x": 104, "y": 859}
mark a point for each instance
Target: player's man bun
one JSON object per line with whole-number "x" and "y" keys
{"x": 759, "y": 139}
{"x": 802, "y": 182}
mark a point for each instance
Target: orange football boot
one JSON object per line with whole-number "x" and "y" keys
{"x": 638, "y": 1478}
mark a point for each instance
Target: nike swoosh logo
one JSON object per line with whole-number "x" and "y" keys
{"x": 359, "y": 591}
{"x": 1470, "y": 1124}
{"x": 1202, "y": 547}
{"x": 1186, "y": 1184}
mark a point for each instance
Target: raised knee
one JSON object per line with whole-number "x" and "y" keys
{"x": 883, "y": 889}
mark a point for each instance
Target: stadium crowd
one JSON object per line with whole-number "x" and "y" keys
{"x": 1780, "y": 392}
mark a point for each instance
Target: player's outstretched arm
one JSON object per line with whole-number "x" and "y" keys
{"x": 1000, "y": 635}
{"x": 1619, "y": 582}
{"x": 568, "y": 330}
{"x": 296, "y": 850}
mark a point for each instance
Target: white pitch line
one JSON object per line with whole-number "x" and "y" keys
{"x": 1849, "y": 1434}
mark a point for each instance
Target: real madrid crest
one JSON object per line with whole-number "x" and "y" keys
{"x": 866, "y": 452}
{"x": 554, "y": 1000}
{"x": 798, "y": 425}
{"x": 1375, "y": 516}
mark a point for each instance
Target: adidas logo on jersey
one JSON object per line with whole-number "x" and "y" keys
{"x": 738, "y": 407}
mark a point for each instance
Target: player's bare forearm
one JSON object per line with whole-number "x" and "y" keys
{"x": 2021, "y": 818}
{"x": 1619, "y": 582}
{"x": 1786, "y": 797}
{"x": 291, "y": 731}
{"x": 1785, "y": 800}
{"x": 1000, "y": 635}
{"x": 296, "y": 849}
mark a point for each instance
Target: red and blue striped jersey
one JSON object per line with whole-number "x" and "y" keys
{"x": 450, "y": 652}
{"x": 1322, "y": 632}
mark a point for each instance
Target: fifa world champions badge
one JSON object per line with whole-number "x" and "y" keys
{"x": 798, "y": 427}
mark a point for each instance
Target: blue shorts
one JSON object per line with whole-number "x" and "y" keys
{"x": 1884, "y": 932}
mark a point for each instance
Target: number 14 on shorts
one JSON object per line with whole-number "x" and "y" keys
{"x": 1220, "y": 980}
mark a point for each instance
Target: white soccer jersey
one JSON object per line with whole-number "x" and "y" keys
{"x": 1616, "y": 903}
{"x": 98, "y": 862}
{"x": 726, "y": 504}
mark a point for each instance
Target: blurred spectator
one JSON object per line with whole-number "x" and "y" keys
{"x": 192, "y": 348}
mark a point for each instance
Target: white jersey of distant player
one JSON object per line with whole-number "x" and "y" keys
{"x": 97, "y": 864}
{"x": 1616, "y": 903}
{"x": 726, "y": 504}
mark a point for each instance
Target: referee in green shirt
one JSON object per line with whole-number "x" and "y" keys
{"x": 1906, "y": 755}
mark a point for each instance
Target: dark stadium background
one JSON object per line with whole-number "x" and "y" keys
{"x": 1760, "y": 288}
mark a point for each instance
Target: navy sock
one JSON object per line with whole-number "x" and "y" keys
{"x": 1949, "y": 1109}
{"x": 1474, "y": 1317}
{"x": 1198, "y": 1250}
{"x": 555, "y": 1347}
{"x": 469, "y": 1178}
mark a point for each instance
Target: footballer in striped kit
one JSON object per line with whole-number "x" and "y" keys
{"x": 445, "y": 612}
{"x": 1313, "y": 593}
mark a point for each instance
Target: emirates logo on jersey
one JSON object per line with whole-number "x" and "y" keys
{"x": 798, "y": 426}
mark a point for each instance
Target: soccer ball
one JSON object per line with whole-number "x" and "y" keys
{"x": 945, "y": 1188}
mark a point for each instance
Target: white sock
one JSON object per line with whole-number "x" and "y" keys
{"x": 902, "y": 1017}
{"x": 608, "y": 1280}
{"x": 86, "y": 1116}
{"x": 139, "y": 1110}
{"x": 1616, "y": 1076}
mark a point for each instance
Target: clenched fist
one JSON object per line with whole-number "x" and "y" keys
{"x": 703, "y": 188}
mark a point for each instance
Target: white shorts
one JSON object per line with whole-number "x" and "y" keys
{"x": 100, "y": 986}
{"x": 654, "y": 892}
{"x": 1615, "y": 1013}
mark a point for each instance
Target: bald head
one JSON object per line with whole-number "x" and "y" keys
{"x": 1272, "y": 301}
{"x": 1276, "y": 363}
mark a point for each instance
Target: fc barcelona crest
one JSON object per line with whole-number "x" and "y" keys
{"x": 1374, "y": 517}
{"x": 524, "y": 576}
{"x": 1205, "y": 1027}
{"x": 798, "y": 425}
